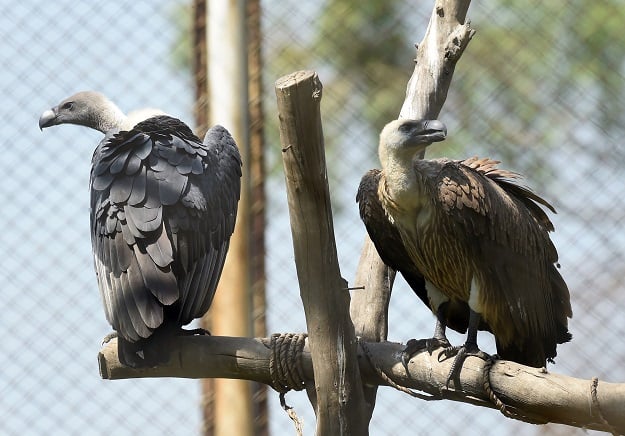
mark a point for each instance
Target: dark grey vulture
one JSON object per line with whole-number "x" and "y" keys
{"x": 163, "y": 208}
{"x": 473, "y": 245}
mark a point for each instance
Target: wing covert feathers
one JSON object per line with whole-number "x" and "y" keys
{"x": 163, "y": 207}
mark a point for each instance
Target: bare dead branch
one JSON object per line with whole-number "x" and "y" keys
{"x": 369, "y": 306}
{"x": 533, "y": 394}
{"x": 339, "y": 396}
{"x": 446, "y": 37}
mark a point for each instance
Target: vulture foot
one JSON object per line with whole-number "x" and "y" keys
{"x": 461, "y": 353}
{"x": 154, "y": 350}
{"x": 109, "y": 337}
{"x": 414, "y": 346}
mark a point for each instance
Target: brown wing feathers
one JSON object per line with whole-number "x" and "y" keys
{"x": 501, "y": 230}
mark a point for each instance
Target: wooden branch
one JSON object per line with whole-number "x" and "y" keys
{"x": 534, "y": 394}
{"x": 369, "y": 306}
{"x": 371, "y": 302}
{"x": 445, "y": 39}
{"x": 339, "y": 396}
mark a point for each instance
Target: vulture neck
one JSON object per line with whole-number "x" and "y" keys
{"x": 110, "y": 118}
{"x": 403, "y": 188}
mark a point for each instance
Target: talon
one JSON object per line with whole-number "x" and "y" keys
{"x": 109, "y": 337}
{"x": 468, "y": 349}
{"x": 448, "y": 352}
{"x": 413, "y": 346}
{"x": 405, "y": 358}
{"x": 434, "y": 343}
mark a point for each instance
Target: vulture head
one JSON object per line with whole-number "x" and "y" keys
{"x": 406, "y": 137}
{"x": 85, "y": 108}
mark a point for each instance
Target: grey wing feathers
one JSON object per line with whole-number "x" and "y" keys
{"x": 163, "y": 209}
{"x": 216, "y": 197}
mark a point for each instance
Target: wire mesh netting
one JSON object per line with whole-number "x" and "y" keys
{"x": 540, "y": 88}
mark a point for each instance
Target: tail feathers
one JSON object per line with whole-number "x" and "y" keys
{"x": 530, "y": 352}
{"x": 534, "y": 350}
{"x": 561, "y": 304}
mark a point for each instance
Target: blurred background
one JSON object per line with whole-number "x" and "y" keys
{"x": 540, "y": 87}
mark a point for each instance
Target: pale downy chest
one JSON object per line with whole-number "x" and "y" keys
{"x": 430, "y": 238}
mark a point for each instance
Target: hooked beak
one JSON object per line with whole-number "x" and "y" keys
{"x": 47, "y": 119}
{"x": 433, "y": 130}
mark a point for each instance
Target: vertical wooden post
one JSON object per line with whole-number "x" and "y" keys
{"x": 369, "y": 306}
{"x": 257, "y": 200}
{"x": 199, "y": 54}
{"x": 200, "y": 113}
{"x": 228, "y": 100}
{"x": 339, "y": 396}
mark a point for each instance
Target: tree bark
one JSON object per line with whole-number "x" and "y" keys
{"x": 446, "y": 37}
{"x": 534, "y": 394}
{"x": 201, "y": 116}
{"x": 257, "y": 200}
{"x": 369, "y": 306}
{"x": 338, "y": 388}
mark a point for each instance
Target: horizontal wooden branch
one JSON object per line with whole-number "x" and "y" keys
{"x": 534, "y": 394}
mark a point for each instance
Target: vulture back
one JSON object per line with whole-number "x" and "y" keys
{"x": 163, "y": 208}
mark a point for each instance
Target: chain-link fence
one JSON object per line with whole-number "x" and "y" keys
{"x": 540, "y": 87}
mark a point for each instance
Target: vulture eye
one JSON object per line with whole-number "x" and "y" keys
{"x": 68, "y": 106}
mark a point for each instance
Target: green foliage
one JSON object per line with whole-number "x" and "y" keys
{"x": 181, "y": 50}
{"x": 366, "y": 44}
{"x": 599, "y": 55}
{"x": 535, "y": 72}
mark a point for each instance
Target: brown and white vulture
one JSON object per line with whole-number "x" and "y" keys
{"x": 473, "y": 245}
{"x": 163, "y": 208}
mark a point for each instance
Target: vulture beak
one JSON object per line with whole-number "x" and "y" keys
{"x": 47, "y": 119}
{"x": 432, "y": 130}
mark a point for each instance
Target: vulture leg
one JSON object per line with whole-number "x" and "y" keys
{"x": 127, "y": 353}
{"x": 469, "y": 348}
{"x": 413, "y": 346}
